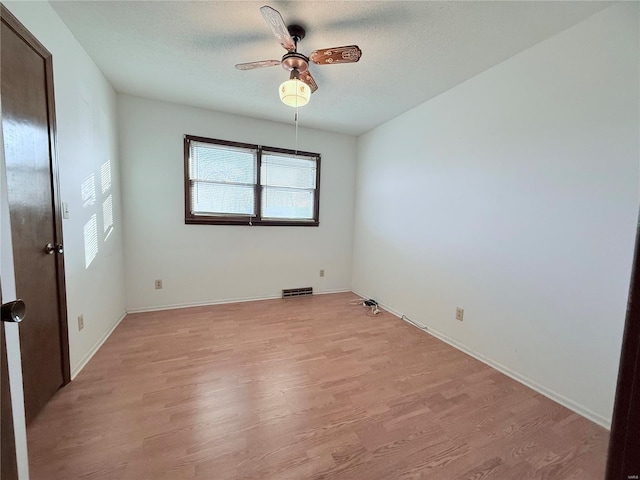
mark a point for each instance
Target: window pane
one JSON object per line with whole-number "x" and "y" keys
{"x": 220, "y": 198}
{"x": 284, "y": 171}
{"x": 287, "y": 203}
{"x": 222, "y": 164}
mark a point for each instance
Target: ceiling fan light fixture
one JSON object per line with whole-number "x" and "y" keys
{"x": 294, "y": 92}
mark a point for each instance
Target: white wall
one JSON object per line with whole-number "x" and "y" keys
{"x": 515, "y": 196}
{"x": 201, "y": 264}
{"x": 85, "y": 111}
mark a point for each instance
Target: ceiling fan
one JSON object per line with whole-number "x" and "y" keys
{"x": 297, "y": 90}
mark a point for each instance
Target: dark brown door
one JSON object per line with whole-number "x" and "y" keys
{"x": 624, "y": 443}
{"x": 9, "y": 465}
{"x": 29, "y": 134}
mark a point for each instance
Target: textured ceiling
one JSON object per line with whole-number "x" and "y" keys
{"x": 185, "y": 52}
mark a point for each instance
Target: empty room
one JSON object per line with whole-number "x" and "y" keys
{"x": 319, "y": 240}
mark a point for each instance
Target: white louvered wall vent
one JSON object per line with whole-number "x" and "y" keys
{"x": 297, "y": 292}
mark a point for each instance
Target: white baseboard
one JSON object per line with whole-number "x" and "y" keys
{"x": 338, "y": 290}
{"x": 173, "y": 306}
{"x": 547, "y": 392}
{"x": 157, "y": 308}
{"x": 76, "y": 370}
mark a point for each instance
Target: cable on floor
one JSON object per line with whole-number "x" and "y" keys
{"x": 421, "y": 327}
{"x": 371, "y": 304}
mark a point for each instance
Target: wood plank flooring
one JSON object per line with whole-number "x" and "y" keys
{"x": 303, "y": 388}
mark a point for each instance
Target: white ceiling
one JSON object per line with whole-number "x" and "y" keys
{"x": 185, "y": 51}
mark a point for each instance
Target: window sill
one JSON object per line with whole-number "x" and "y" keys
{"x": 244, "y": 221}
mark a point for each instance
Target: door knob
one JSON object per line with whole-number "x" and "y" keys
{"x": 52, "y": 248}
{"x": 14, "y": 311}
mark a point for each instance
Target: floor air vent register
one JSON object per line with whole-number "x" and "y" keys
{"x": 297, "y": 292}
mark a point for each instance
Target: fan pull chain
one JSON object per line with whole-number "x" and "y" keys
{"x": 296, "y": 118}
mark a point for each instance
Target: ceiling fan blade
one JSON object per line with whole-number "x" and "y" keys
{"x": 260, "y": 64}
{"x": 326, "y": 56}
{"x": 277, "y": 26}
{"x": 308, "y": 79}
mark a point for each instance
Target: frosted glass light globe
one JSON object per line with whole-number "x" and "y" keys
{"x": 294, "y": 93}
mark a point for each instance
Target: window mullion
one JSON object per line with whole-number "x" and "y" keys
{"x": 258, "y": 186}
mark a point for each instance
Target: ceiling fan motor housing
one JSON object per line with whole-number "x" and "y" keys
{"x": 295, "y": 61}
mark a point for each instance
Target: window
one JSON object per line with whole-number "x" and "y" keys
{"x": 230, "y": 183}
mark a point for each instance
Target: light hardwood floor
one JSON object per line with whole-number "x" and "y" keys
{"x": 305, "y": 388}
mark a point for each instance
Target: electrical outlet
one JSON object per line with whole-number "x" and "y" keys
{"x": 459, "y": 313}
{"x": 158, "y": 284}
{"x": 322, "y": 272}
{"x": 80, "y": 322}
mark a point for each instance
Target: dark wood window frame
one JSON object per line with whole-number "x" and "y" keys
{"x": 191, "y": 218}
